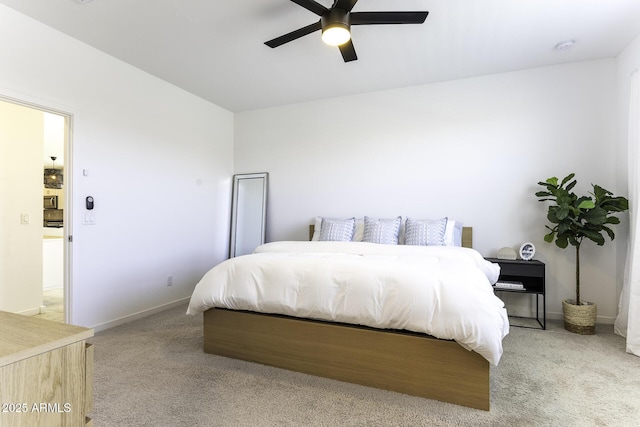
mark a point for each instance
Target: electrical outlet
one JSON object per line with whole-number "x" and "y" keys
{"x": 169, "y": 280}
{"x": 25, "y": 218}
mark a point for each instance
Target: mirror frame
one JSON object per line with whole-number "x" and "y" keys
{"x": 237, "y": 180}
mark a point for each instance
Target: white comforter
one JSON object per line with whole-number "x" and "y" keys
{"x": 442, "y": 291}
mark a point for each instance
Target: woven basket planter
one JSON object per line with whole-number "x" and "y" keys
{"x": 580, "y": 319}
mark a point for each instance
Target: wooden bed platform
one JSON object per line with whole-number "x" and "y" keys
{"x": 400, "y": 361}
{"x": 405, "y": 362}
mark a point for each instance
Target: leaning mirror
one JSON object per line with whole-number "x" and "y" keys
{"x": 248, "y": 213}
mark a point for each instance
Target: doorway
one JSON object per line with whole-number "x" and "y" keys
{"x": 34, "y": 278}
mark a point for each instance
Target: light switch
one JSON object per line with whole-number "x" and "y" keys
{"x": 25, "y": 218}
{"x": 89, "y": 218}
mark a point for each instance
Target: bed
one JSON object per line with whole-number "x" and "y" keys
{"x": 393, "y": 353}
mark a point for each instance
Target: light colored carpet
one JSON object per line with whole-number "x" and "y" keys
{"x": 53, "y": 300}
{"x": 153, "y": 372}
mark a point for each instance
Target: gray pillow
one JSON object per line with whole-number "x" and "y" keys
{"x": 425, "y": 232}
{"x": 337, "y": 230}
{"x": 385, "y": 231}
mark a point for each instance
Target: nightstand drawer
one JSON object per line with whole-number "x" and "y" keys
{"x": 524, "y": 268}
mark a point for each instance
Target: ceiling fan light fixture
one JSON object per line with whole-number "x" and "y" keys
{"x": 335, "y": 35}
{"x": 335, "y": 27}
{"x": 335, "y": 23}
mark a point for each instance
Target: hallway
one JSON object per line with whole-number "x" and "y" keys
{"x": 53, "y": 300}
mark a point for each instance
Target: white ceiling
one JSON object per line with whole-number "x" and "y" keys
{"x": 215, "y": 49}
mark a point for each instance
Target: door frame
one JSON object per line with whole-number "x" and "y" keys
{"x": 68, "y": 198}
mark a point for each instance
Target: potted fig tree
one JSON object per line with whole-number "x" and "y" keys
{"x": 574, "y": 218}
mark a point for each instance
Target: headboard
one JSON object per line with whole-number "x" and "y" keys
{"x": 467, "y": 235}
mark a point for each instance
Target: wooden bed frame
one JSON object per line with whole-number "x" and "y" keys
{"x": 400, "y": 361}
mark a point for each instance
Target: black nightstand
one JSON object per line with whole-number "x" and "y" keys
{"x": 531, "y": 274}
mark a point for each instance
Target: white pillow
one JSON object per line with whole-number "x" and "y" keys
{"x": 384, "y": 231}
{"x": 337, "y": 230}
{"x": 357, "y": 234}
{"x": 425, "y": 232}
{"x": 453, "y": 233}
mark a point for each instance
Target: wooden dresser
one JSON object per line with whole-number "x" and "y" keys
{"x": 46, "y": 373}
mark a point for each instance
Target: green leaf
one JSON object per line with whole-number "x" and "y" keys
{"x": 617, "y": 204}
{"x": 586, "y": 204}
{"x": 564, "y": 227}
{"x": 549, "y": 237}
{"x": 563, "y": 212}
{"x": 552, "y": 215}
{"x": 553, "y": 181}
{"x": 595, "y": 236}
{"x": 609, "y": 232}
{"x": 600, "y": 192}
{"x": 566, "y": 179}
{"x": 561, "y": 242}
{"x": 596, "y": 216}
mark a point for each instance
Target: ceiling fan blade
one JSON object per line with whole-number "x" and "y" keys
{"x": 345, "y": 5}
{"x": 348, "y": 51}
{"x": 300, "y": 32}
{"x": 312, "y": 6}
{"x": 375, "y": 18}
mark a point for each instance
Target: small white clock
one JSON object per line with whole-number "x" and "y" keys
{"x": 527, "y": 251}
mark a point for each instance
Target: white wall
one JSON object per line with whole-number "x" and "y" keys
{"x": 469, "y": 149}
{"x": 21, "y": 138}
{"x": 158, "y": 162}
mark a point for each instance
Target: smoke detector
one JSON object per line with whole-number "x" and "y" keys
{"x": 565, "y": 45}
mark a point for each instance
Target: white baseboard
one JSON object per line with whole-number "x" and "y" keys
{"x": 30, "y": 312}
{"x": 526, "y": 312}
{"x": 139, "y": 315}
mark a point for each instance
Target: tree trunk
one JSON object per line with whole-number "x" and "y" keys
{"x": 578, "y": 275}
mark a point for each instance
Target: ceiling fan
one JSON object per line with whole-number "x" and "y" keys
{"x": 335, "y": 23}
